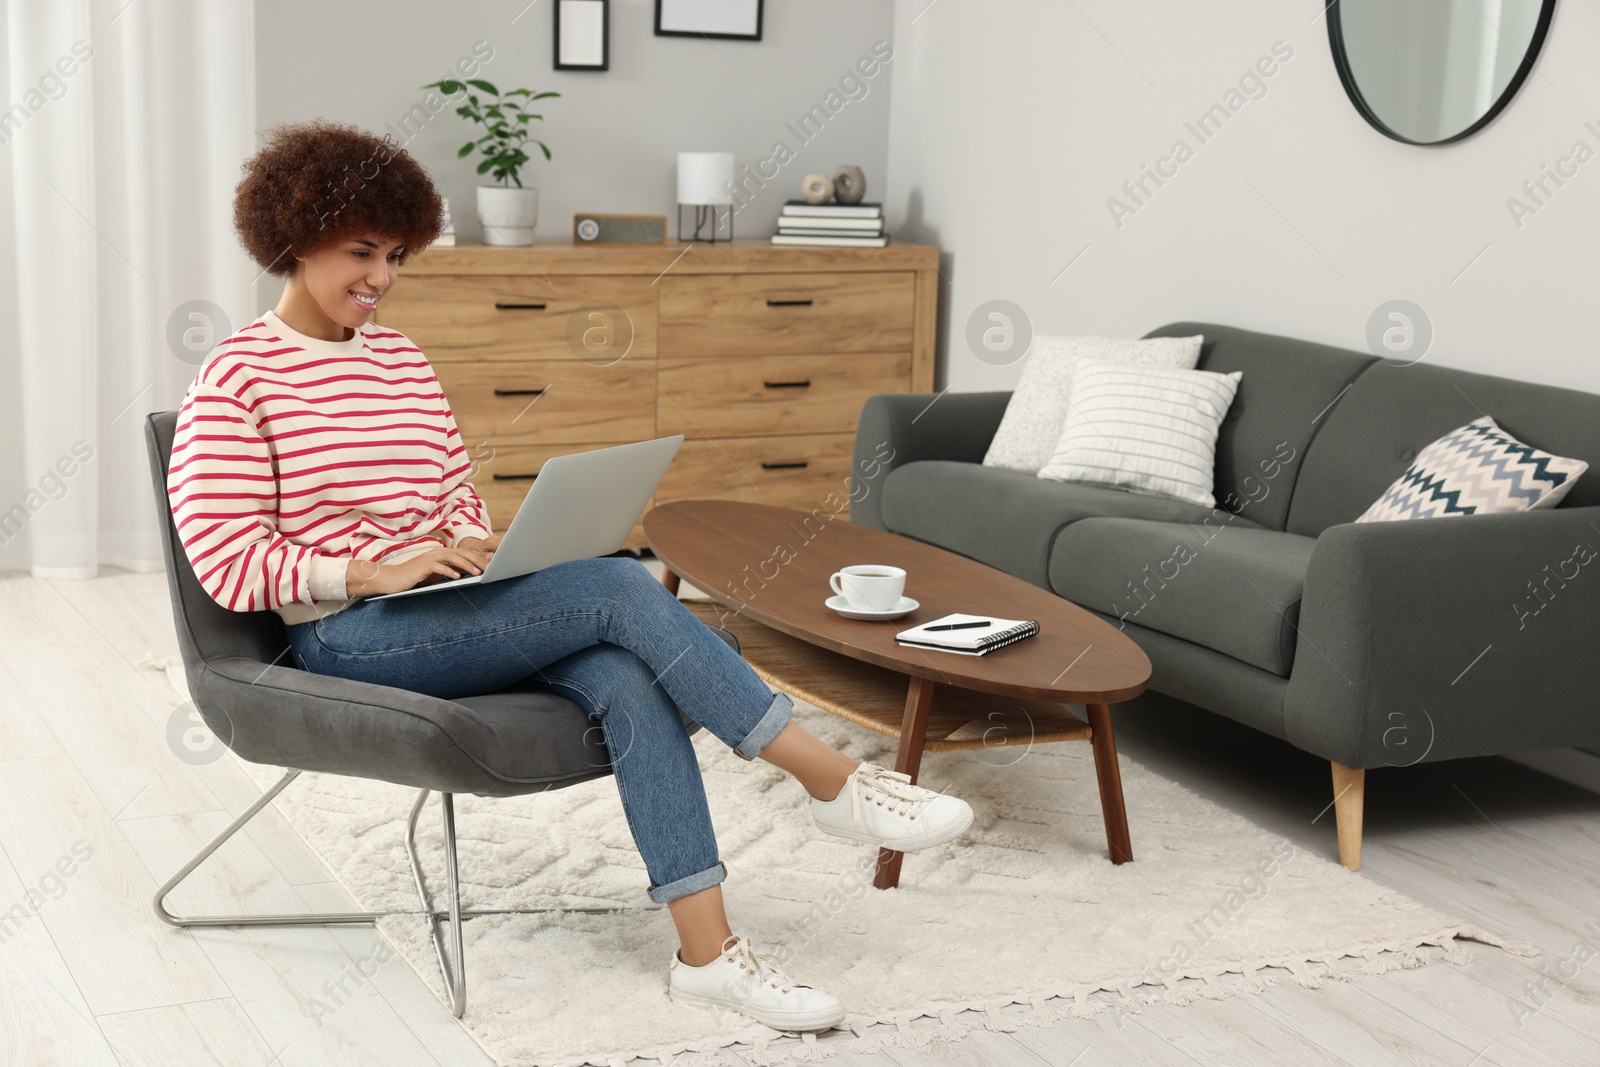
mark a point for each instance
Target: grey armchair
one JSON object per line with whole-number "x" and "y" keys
{"x": 249, "y": 693}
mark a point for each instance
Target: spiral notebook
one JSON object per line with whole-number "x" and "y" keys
{"x": 968, "y": 640}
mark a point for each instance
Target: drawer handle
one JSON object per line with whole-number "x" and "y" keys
{"x": 785, "y": 466}
{"x": 519, "y": 392}
{"x": 788, "y": 303}
{"x": 518, "y": 307}
{"x": 801, "y": 384}
{"x": 515, "y": 477}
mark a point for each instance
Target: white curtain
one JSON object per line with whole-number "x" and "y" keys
{"x": 123, "y": 130}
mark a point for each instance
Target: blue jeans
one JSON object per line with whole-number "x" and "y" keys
{"x": 603, "y": 633}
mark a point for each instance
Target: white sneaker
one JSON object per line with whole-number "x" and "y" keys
{"x": 882, "y": 807}
{"x": 750, "y": 982}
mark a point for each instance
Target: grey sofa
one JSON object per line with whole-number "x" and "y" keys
{"x": 1367, "y": 644}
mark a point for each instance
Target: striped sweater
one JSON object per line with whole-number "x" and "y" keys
{"x": 294, "y": 455}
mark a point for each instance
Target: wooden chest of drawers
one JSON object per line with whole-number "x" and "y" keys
{"x": 760, "y": 356}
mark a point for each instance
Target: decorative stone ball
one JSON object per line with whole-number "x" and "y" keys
{"x": 849, "y": 184}
{"x": 816, "y": 189}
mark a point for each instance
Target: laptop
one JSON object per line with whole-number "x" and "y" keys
{"x": 580, "y": 506}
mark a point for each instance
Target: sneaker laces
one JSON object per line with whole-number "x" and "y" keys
{"x": 900, "y": 796}
{"x": 764, "y": 965}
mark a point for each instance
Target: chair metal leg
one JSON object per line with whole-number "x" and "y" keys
{"x": 452, "y": 965}
{"x": 452, "y": 968}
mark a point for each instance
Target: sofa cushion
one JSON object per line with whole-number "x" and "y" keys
{"x": 1390, "y": 414}
{"x": 1290, "y": 389}
{"x": 1008, "y": 519}
{"x": 1231, "y": 588}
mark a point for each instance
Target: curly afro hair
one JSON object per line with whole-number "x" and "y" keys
{"x": 316, "y": 184}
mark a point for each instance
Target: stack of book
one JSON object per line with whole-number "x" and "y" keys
{"x": 970, "y": 635}
{"x": 831, "y": 225}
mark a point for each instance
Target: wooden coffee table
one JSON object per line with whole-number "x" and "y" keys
{"x": 766, "y": 571}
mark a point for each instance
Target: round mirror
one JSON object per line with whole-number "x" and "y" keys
{"x": 1431, "y": 71}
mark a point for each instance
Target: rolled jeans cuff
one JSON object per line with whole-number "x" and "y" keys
{"x": 663, "y": 894}
{"x": 770, "y": 726}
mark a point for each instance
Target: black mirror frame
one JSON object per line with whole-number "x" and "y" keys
{"x": 1341, "y": 62}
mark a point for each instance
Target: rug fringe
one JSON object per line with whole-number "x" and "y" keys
{"x": 871, "y": 1035}
{"x": 1516, "y": 948}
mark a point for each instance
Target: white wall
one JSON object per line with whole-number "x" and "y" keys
{"x": 1012, "y": 124}
{"x": 615, "y": 134}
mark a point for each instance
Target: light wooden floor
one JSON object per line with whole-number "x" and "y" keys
{"x": 94, "y": 979}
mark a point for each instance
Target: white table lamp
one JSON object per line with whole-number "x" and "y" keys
{"x": 705, "y": 182}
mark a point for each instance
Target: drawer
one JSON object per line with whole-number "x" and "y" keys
{"x": 493, "y": 317}
{"x": 502, "y": 478}
{"x": 802, "y": 471}
{"x": 538, "y": 401}
{"x": 754, "y": 314}
{"x": 717, "y": 396}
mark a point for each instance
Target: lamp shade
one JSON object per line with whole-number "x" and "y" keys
{"x": 704, "y": 177}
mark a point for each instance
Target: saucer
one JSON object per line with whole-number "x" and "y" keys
{"x": 905, "y": 606}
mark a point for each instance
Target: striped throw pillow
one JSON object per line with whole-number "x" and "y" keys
{"x": 1141, "y": 428}
{"x": 1476, "y": 470}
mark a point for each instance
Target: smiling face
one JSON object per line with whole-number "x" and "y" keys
{"x": 334, "y": 290}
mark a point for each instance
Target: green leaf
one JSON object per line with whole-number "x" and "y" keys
{"x": 487, "y": 87}
{"x": 449, "y": 86}
{"x": 541, "y": 96}
{"x": 485, "y": 165}
{"x": 466, "y": 150}
{"x": 542, "y": 145}
{"x": 473, "y": 98}
{"x": 464, "y": 111}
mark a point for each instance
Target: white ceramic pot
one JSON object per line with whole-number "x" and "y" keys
{"x": 509, "y": 214}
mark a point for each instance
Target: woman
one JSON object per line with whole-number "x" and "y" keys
{"x": 316, "y": 461}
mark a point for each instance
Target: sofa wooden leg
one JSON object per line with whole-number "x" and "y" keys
{"x": 1349, "y": 792}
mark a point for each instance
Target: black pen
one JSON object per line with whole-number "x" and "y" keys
{"x": 957, "y": 626}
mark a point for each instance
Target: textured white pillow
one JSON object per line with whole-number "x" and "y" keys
{"x": 1038, "y": 409}
{"x": 1143, "y": 428}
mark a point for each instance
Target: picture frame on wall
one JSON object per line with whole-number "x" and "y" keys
{"x": 583, "y": 34}
{"x": 734, "y": 20}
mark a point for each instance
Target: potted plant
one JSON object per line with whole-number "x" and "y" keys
{"x": 509, "y": 213}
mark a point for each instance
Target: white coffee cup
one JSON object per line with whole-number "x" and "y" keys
{"x": 869, "y": 586}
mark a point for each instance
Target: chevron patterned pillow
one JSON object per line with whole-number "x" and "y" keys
{"x": 1476, "y": 470}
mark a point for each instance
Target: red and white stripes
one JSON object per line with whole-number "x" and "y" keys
{"x": 293, "y": 456}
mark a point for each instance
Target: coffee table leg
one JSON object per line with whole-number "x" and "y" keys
{"x": 1110, "y": 775}
{"x": 913, "y": 732}
{"x": 670, "y": 580}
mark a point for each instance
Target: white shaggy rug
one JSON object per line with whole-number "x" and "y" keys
{"x": 1024, "y": 908}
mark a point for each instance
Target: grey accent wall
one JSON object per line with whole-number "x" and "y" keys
{"x": 1012, "y": 125}
{"x": 615, "y": 134}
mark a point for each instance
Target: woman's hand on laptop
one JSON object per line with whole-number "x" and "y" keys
{"x": 489, "y": 544}
{"x": 365, "y": 577}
